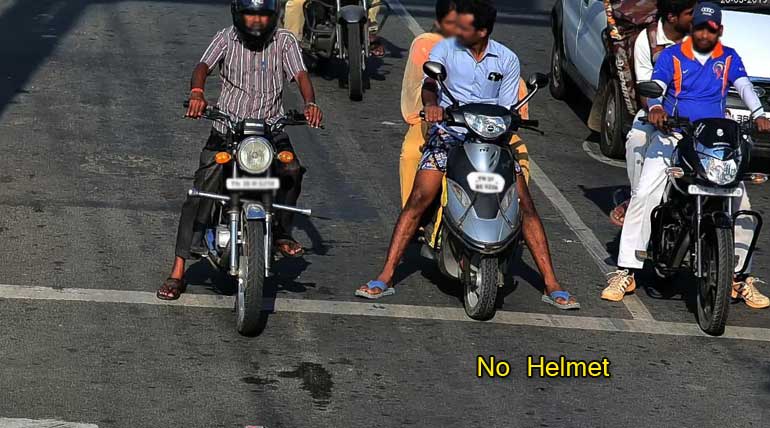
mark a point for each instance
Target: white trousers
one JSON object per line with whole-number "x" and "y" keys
{"x": 649, "y": 192}
{"x": 637, "y": 141}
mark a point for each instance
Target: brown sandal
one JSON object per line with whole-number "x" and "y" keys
{"x": 618, "y": 214}
{"x": 171, "y": 289}
{"x": 285, "y": 247}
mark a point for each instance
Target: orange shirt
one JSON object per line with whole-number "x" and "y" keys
{"x": 411, "y": 86}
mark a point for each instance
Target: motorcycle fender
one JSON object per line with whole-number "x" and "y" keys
{"x": 254, "y": 211}
{"x": 352, "y": 14}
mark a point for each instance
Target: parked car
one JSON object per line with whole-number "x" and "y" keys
{"x": 581, "y": 61}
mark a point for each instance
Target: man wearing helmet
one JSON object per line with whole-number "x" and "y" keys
{"x": 255, "y": 58}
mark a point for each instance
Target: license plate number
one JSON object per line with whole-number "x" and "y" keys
{"x": 253, "y": 183}
{"x": 696, "y": 189}
{"x": 485, "y": 182}
{"x": 742, "y": 115}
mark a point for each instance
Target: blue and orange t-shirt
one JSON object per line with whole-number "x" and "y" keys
{"x": 696, "y": 90}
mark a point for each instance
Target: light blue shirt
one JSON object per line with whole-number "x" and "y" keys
{"x": 493, "y": 80}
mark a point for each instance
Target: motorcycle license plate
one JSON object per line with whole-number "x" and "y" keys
{"x": 742, "y": 115}
{"x": 486, "y": 182}
{"x": 253, "y": 183}
{"x": 697, "y": 189}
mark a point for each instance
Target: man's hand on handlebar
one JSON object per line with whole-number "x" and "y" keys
{"x": 659, "y": 118}
{"x": 197, "y": 106}
{"x": 313, "y": 115}
{"x": 434, "y": 114}
{"x": 762, "y": 124}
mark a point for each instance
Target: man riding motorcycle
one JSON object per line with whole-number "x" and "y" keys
{"x": 674, "y": 22}
{"x": 696, "y": 76}
{"x": 254, "y": 58}
{"x": 479, "y": 60}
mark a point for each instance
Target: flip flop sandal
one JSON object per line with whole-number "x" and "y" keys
{"x": 371, "y": 285}
{"x": 172, "y": 286}
{"x": 281, "y": 244}
{"x": 551, "y": 300}
{"x": 618, "y": 214}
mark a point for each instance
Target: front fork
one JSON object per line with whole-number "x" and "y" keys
{"x": 235, "y": 219}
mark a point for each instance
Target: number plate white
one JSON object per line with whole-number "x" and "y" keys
{"x": 696, "y": 189}
{"x": 485, "y": 182}
{"x": 253, "y": 183}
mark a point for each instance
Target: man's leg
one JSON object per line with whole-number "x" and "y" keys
{"x": 409, "y": 162}
{"x": 637, "y": 142}
{"x": 537, "y": 242}
{"x": 745, "y": 285}
{"x": 294, "y": 17}
{"x": 291, "y": 186}
{"x": 636, "y": 228}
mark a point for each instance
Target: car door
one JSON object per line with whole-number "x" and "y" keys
{"x": 570, "y": 21}
{"x": 589, "y": 47}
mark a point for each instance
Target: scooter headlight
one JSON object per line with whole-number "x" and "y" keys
{"x": 459, "y": 193}
{"x": 255, "y": 155}
{"x": 487, "y": 126}
{"x": 718, "y": 171}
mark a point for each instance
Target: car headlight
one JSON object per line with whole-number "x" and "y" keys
{"x": 255, "y": 155}
{"x": 487, "y": 126}
{"x": 718, "y": 171}
{"x": 459, "y": 193}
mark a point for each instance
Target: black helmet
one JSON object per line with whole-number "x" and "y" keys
{"x": 255, "y": 39}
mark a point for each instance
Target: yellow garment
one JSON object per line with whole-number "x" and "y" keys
{"x": 411, "y": 152}
{"x": 294, "y": 16}
{"x": 411, "y": 85}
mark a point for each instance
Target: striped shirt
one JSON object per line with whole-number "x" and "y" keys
{"x": 252, "y": 82}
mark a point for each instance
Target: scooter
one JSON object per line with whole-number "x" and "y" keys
{"x": 476, "y": 232}
{"x": 693, "y": 228}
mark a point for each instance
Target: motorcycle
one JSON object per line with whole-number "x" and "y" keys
{"x": 239, "y": 242}
{"x": 341, "y": 30}
{"x": 475, "y": 234}
{"x": 693, "y": 228}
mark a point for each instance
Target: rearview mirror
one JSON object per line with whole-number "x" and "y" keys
{"x": 434, "y": 70}
{"x": 649, "y": 89}
{"x": 538, "y": 80}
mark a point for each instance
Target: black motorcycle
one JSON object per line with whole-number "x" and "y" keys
{"x": 340, "y": 29}
{"x": 693, "y": 228}
{"x": 239, "y": 241}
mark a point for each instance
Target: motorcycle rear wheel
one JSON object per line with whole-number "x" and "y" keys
{"x": 714, "y": 288}
{"x": 251, "y": 280}
{"x": 355, "y": 62}
{"x": 480, "y": 289}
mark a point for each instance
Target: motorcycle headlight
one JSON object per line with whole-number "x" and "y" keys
{"x": 487, "y": 126}
{"x": 718, "y": 171}
{"x": 255, "y": 155}
{"x": 459, "y": 193}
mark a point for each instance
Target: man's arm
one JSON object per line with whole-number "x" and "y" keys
{"x": 211, "y": 57}
{"x": 663, "y": 74}
{"x": 642, "y": 61}
{"x": 739, "y": 79}
{"x": 433, "y": 112}
{"x": 294, "y": 68}
{"x": 509, "y": 88}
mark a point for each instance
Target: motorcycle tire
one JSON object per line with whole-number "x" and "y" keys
{"x": 355, "y": 62}
{"x": 480, "y": 293}
{"x": 714, "y": 288}
{"x": 251, "y": 282}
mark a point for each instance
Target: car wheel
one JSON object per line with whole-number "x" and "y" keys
{"x": 615, "y": 122}
{"x": 559, "y": 84}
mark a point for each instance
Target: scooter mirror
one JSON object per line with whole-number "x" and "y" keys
{"x": 435, "y": 70}
{"x": 538, "y": 80}
{"x": 649, "y": 89}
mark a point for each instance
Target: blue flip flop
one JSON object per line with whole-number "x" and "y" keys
{"x": 551, "y": 300}
{"x": 371, "y": 285}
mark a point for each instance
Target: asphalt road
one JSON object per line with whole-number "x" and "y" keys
{"x": 96, "y": 161}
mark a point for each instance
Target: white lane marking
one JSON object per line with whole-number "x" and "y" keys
{"x": 409, "y": 20}
{"x": 367, "y": 309}
{"x": 585, "y": 234}
{"x": 601, "y": 158}
{"x": 568, "y": 213}
{"x": 41, "y": 423}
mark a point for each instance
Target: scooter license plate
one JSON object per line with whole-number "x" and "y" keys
{"x": 696, "y": 189}
{"x": 486, "y": 182}
{"x": 253, "y": 183}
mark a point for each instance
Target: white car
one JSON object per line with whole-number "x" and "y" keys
{"x": 580, "y": 60}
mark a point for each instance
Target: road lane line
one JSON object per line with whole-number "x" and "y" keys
{"x": 568, "y": 213}
{"x": 395, "y": 311}
{"x": 41, "y": 423}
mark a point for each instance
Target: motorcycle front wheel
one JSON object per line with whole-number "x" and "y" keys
{"x": 714, "y": 287}
{"x": 251, "y": 280}
{"x": 480, "y": 288}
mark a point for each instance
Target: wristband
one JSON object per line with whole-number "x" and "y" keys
{"x": 312, "y": 104}
{"x": 196, "y": 90}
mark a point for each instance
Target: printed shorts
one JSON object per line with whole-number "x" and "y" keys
{"x": 436, "y": 151}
